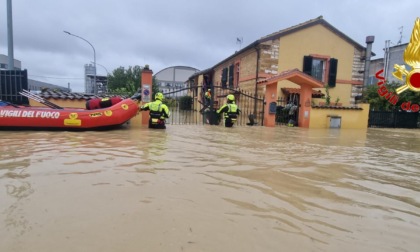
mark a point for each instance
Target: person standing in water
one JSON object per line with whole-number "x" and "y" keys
{"x": 230, "y": 111}
{"x": 158, "y": 112}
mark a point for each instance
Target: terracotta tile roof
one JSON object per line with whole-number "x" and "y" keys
{"x": 60, "y": 95}
{"x": 295, "y": 76}
{"x": 315, "y": 93}
{"x": 338, "y": 107}
{"x": 319, "y": 20}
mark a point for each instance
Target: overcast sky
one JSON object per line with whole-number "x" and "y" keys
{"x": 164, "y": 33}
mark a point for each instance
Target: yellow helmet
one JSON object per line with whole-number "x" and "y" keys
{"x": 159, "y": 96}
{"x": 230, "y": 97}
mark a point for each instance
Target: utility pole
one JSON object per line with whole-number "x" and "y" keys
{"x": 11, "y": 65}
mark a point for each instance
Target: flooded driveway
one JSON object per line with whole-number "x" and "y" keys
{"x": 208, "y": 188}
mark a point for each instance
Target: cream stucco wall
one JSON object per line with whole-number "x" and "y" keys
{"x": 318, "y": 40}
{"x": 350, "y": 119}
{"x": 65, "y": 103}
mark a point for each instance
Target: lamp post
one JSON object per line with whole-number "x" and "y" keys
{"x": 95, "y": 89}
{"x": 11, "y": 65}
{"x": 107, "y": 74}
{"x": 102, "y": 66}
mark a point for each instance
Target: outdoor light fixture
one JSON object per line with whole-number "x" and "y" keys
{"x": 95, "y": 89}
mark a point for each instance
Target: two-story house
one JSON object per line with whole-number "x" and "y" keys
{"x": 313, "y": 62}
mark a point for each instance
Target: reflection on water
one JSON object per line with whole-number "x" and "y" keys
{"x": 207, "y": 188}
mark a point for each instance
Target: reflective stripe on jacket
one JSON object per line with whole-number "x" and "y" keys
{"x": 231, "y": 110}
{"x": 157, "y": 109}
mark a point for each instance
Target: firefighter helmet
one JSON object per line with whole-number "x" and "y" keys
{"x": 159, "y": 96}
{"x": 230, "y": 97}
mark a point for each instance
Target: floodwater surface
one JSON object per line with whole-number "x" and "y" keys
{"x": 208, "y": 188}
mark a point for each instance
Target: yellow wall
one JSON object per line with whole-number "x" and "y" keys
{"x": 67, "y": 103}
{"x": 316, "y": 40}
{"x": 342, "y": 91}
{"x": 321, "y": 41}
{"x": 350, "y": 119}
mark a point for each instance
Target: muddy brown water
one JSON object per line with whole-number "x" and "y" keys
{"x": 208, "y": 188}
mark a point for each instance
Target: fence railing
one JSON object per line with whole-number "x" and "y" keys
{"x": 11, "y": 83}
{"x": 287, "y": 112}
{"x": 187, "y": 107}
{"x": 394, "y": 119}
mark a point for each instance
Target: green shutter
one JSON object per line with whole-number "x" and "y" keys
{"x": 332, "y": 73}
{"x": 231, "y": 71}
{"x": 224, "y": 76}
{"x": 307, "y": 65}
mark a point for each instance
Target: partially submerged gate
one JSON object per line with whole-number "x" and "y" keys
{"x": 190, "y": 106}
{"x": 287, "y": 112}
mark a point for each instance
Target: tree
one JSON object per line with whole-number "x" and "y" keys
{"x": 125, "y": 80}
{"x": 378, "y": 102}
{"x": 155, "y": 87}
{"x": 128, "y": 81}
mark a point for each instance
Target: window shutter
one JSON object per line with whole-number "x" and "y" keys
{"x": 224, "y": 77}
{"x": 332, "y": 74}
{"x": 231, "y": 71}
{"x": 307, "y": 65}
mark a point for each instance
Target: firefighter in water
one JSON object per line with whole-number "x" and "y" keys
{"x": 230, "y": 110}
{"x": 158, "y": 112}
{"x": 207, "y": 97}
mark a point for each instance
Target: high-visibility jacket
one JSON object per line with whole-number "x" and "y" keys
{"x": 158, "y": 110}
{"x": 230, "y": 110}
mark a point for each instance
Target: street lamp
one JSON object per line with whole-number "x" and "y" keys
{"x": 95, "y": 90}
{"x": 102, "y": 66}
{"x": 107, "y": 75}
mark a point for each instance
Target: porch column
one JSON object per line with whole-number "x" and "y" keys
{"x": 305, "y": 105}
{"x": 270, "y": 96}
{"x": 146, "y": 85}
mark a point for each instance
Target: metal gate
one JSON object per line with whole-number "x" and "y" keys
{"x": 287, "y": 111}
{"x": 190, "y": 106}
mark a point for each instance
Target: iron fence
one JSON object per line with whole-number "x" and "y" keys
{"x": 393, "y": 119}
{"x": 188, "y": 107}
{"x": 11, "y": 83}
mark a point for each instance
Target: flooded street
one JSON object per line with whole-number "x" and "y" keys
{"x": 208, "y": 188}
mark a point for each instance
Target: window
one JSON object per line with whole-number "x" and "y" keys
{"x": 322, "y": 69}
{"x": 224, "y": 77}
{"x": 318, "y": 69}
{"x": 237, "y": 75}
{"x": 231, "y": 74}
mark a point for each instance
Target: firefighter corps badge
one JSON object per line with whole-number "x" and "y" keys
{"x": 411, "y": 58}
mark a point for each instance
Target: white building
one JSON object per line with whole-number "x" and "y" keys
{"x": 173, "y": 79}
{"x": 4, "y": 63}
{"x": 392, "y": 55}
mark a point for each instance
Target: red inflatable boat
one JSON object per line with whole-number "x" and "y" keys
{"x": 55, "y": 117}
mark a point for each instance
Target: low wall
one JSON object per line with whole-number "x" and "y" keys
{"x": 350, "y": 118}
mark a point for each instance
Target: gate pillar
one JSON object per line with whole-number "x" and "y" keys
{"x": 146, "y": 95}
{"x": 305, "y": 105}
{"x": 270, "y": 96}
